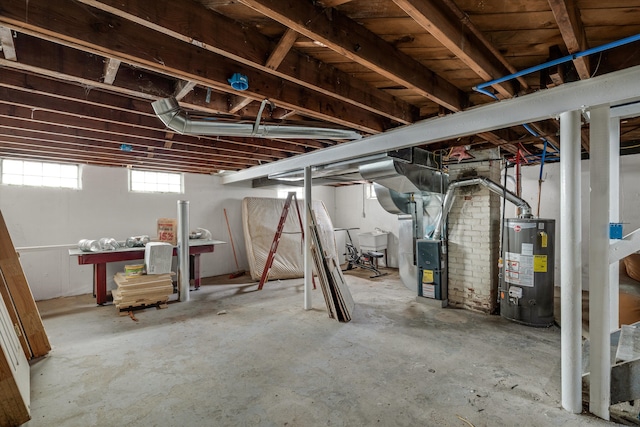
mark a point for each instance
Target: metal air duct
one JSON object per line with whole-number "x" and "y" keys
{"x": 169, "y": 111}
{"x": 525, "y": 209}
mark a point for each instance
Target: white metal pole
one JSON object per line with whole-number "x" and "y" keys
{"x": 614, "y": 216}
{"x": 570, "y": 272}
{"x": 308, "y": 273}
{"x": 183, "y": 250}
{"x": 599, "y": 304}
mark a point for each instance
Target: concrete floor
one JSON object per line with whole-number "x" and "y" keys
{"x": 267, "y": 362}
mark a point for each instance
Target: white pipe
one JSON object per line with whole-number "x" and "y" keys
{"x": 183, "y": 250}
{"x": 599, "y": 305}
{"x": 168, "y": 110}
{"x": 571, "y": 262}
{"x": 308, "y": 273}
{"x": 614, "y": 216}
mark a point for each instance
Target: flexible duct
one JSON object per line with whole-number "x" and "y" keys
{"x": 525, "y": 209}
{"x": 168, "y": 110}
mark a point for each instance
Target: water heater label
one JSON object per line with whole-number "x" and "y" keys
{"x": 518, "y": 269}
{"x": 539, "y": 263}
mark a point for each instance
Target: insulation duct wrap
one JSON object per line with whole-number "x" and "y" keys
{"x": 168, "y": 110}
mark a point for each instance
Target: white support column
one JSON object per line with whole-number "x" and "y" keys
{"x": 183, "y": 250}
{"x": 308, "y": 272}
{"x": 614, "y": 215}
{"x": 570, "y": 272}
{"x": 599, "y": 296}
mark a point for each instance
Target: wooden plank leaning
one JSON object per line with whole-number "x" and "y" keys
{"x": 21, "y": 295}
{"x": 13, "y": 316}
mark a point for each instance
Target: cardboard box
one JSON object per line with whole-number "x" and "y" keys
{"x": 168, "y": 230}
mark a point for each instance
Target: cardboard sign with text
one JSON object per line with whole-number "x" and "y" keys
{"x": 168, "y": 230}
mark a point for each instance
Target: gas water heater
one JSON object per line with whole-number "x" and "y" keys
{"x": 527, "y": 279}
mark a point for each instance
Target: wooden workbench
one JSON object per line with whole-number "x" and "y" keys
{"x": 100, "y": 260}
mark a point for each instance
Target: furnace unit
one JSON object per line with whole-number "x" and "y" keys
{"x": 431, "y": 256}
{"x": 527, "y": 280}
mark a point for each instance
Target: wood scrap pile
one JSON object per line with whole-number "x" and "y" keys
{"x": 141, "y": 291}
{"x": 334, "y": 288}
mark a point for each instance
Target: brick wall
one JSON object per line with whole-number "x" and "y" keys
{"x": 474, "y": 234}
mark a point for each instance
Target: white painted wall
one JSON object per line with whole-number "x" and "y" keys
{"x": 550, "y": 201}
{"x": 105, "y": 208}
{"x": 353, "y": 209}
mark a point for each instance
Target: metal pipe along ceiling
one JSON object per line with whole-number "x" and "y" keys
{"x": 168, "y": 110}
{"x": 496, "y": 188}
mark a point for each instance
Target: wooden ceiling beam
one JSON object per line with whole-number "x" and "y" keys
{"x": 567, "y": 15}
{"x": 38, "y": 154}
{"x": 195, "y": 24}
{"x": 78, "y": 114}
{"x": 333, "y": 3}
{"x": 42, "y": 93}
{"x": 274, "y": 60}
{"x": 89, "y": 149}
{"x": 436, "y": 17}
{"x": 183, "y": 87}
{"x": 548, "y": 130}
{"x": 103, "y": 34}
{"x": 38, "y": 121}
{"x": 355, "y": 42}
{"x": 42, "y": 130}
{"x": 6, "y": 43}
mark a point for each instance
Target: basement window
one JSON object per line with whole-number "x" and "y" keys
{"x": 155, "y": 182}
{"x": 40, "y": 174}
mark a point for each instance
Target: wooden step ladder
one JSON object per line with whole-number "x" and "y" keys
{"x": 276, "y": 239}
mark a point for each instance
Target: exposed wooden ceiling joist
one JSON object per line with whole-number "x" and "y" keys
{"x": 343, "y": 35}
{"x": 88, "y": 70}
{"x": 111, "y": 36}
{"x": 436, "y": 17}
{"x": 183, "y": 87}
{"x": 567, "y": 15}
{"x": 192, "y": 23}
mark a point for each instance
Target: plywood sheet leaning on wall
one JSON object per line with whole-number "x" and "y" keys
{"x": 21, "y": 296}
{"x": 15, "y": 385}
{"x": 260, "y": 217}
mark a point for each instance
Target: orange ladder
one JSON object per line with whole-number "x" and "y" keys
{"x": 276, "y": 239}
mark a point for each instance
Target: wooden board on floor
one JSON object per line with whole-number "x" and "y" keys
{"x": 21, "y": 295}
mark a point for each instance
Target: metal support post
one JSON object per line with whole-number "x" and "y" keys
{"x": 599, "y": 295}
{"x": 571, "y": 271}
{"x": 183, "y": 250}
{"x": 308, "y": 272}
{"x": 614, "y": 216}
